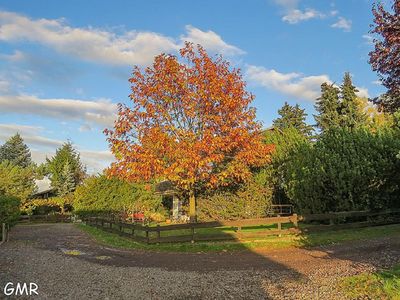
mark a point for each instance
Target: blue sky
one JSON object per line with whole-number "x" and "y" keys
{"x": 65, "y": 64}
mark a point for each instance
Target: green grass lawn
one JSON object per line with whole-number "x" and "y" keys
{"x": 381, "y": 285}
{"x": 271, "y": 242}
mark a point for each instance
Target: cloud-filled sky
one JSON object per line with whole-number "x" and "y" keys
{"x": 64, "y": 65}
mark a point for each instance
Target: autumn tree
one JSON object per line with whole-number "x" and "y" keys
{"x": 190, "y": 122}
{"x": 293, "y": 117}
{"x": 385, "y": 58}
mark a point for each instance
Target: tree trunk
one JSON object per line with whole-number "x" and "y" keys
{"x": 192, "y": 207}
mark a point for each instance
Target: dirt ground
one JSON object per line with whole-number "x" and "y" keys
{"x": 66, "y": 263}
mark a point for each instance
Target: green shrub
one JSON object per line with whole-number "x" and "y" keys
{"x": 99, "y": 195}
{"x": 9, "y": 209}
{"x": 345, "y": 170}
{"x": 249, "y": 201}
{"x": 48, "y": 206}
{"x": 17, "y": 181}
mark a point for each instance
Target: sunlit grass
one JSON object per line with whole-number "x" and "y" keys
{"x": 381, "y": 285}
{"x": 269, "y": 242}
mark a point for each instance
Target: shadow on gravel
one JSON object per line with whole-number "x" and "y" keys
{"x": 67, "y": 239}
{"x": 363, "y": 251}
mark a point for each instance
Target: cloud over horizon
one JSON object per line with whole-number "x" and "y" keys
{"x": 103, "y": 46}
{"x": 42, "y": 147}
{"x": 100, "y": 112}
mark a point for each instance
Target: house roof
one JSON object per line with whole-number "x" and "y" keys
{"x": 43, "y": 186}
{"x": 165, "y": 187}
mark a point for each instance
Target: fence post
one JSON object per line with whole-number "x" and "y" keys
{"x": 331, "y": 220}
{"x": 3, "y": 233}
{"x": 279, "y": 228}
{"x": 158, "y": 231}
{"x": 192, "y": 228}
{"x": 147, "y": 235}
{"x": 295, "y": 221}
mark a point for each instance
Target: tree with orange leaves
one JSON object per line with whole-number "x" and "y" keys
{"x": 190, "y": 123}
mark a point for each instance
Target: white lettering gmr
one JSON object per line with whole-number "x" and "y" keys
{"x": 20, "y": 289}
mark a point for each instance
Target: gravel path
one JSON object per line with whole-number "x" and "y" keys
{"x": 67, "y": 264}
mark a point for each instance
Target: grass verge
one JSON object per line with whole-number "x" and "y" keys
{"x": 271, "y": 242}
{"x": 380, "y": 285}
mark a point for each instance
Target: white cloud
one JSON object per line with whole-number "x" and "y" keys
{"x": 5, "y": 86}
{"x": 333, "y": 12}
{"x": 102, "y": 46}
{"x": 29, "y": 134}
{"x": 295, "y": 16}
{"x": 16, "y": 56}
{"x": 287, "y": 4}
{"x": 85, "y": 127}
{"x": 89, "y": 44}
{"x": 42, "y": 147}
{"x": 210, "y": 41}
{"x": 377, "y": 82}
{"x": 362, "y": 92}
{"x": 343, "y": 23}
{"x": 100, "y": 112}
{"x": 291, "y": 84}
{"x": 369, "y": 40}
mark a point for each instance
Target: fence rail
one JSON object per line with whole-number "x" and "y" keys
{"x": 45, "y": 218}
{"x": 167, "y": 233}
{"x": 345, "y": 220}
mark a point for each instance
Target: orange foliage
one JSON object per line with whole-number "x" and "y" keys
{"x": 190, "y": 122}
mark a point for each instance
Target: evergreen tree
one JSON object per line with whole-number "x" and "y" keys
{"x": 67, "y": 184}
{"x": 15, "y": 151}
{"x": 350, "y": 114}
{"x": 56, "y": 168}
{"x": 293, "y": 117}
{"x": 328, "y": 107}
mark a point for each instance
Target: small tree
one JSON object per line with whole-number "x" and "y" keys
{"x": 327, "y": 105}
{"x": 60, "y": 174}
{"x": 15, "y": 151}
{"x": 16, "y": 181}
{"x": 293, "y": 116}
{"x": 67, "y": 181}
{"x": 9, "y": 209}
{"x": 351, "y": 115}
{"x": 190, "y": 123}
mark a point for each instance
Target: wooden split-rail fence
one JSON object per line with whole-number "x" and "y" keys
{"x": 225, "y": 230}
{"x": 195, "y": 231}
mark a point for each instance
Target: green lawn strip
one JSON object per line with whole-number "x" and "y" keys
{"x": 380, "y": 285}
{"x": 332, "y": 237}
{"x": 269, "y": 242}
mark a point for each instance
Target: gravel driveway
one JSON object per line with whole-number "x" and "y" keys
{"x": 66, "y": 263}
